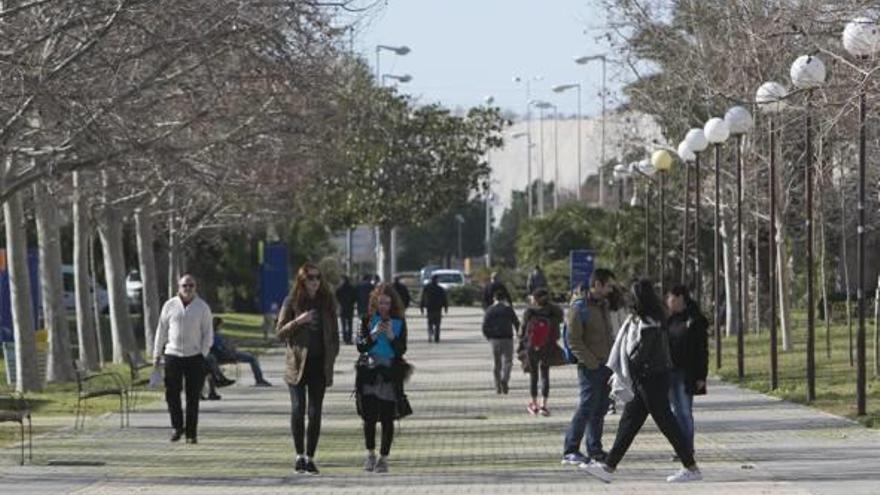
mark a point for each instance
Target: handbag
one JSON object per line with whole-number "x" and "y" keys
{"x": 402, "y": 407}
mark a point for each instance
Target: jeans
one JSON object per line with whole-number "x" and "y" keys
{"x": 189, "y": 370}
{"x": 434, "y": 325}
{"x": 502, "y": 354}
{"x": 536, "y": 365}
{"x": 682, "y": 406}
{"x": 589, "y": 416}
{"x": 246, "y": 357}
{"x": 651, "y": 397}
{"x": 346, "y": 325}
{"x": 311, "y": 385}
{"x": 378, "y": 410}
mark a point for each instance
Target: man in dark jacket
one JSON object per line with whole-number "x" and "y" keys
{"x": 434, "y": 301}
{"x": 536, "y": 280}
{"x": 346, "y": 296}
{"x": 403, "y": 292}
{"x": 495, "y": 284}
{"x": 499, "y": 324}
{"x": 364, "y": 288}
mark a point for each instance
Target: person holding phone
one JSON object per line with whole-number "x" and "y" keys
{"x": 308, "y": 326}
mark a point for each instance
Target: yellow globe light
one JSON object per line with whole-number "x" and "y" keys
{"x": 662, "y": 160}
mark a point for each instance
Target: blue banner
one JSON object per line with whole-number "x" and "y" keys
{"x": 274, "y": 276}
{"x": 581, "y": 266}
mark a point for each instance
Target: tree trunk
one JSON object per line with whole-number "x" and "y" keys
{"x": 744, "y": 290}
{"x": 844, "y": 250}
{"x": 59, "y": 362}
{"x": 385, "y": 244}
{"x": 823, "y": 254}
{"x": 729, "y": 267}
{"x": 110, "y": 232}
{"x": 783, "y": 273}
{"x": 757, "y": 282}
{"x": 27, "y": 376}
{"x": 150, "y": 293}
{"x": 96, "y": 309}
{"x": 877, "y": 328}
{"x": 173, "y": 254}
{"x": 85, "y": 319}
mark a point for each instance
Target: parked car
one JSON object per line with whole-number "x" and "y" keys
{"x": 448, "y": 278}
{"x": 134, "y": 290}
{"x": 425, "y": 273}
{"x": 70, "y": 292}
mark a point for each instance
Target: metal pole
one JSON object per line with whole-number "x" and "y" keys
{"x": 684, "y": 227}
{"x": 662, "y": 185}
{"x": 647, "y": 229}
{"x": 740, "y": 372}
{"x": 716, "y": 279}
{"x": 771, "y": 260}
{"x": 529, "y": 145}
{"x": 489, "y": 213}
{"x": 860, "y": 335}
{"x": 555, "y": 158}
{"x": 811, "y": 317}
{"x": 580, "y": 163}
{"x": 602, "y": 164}
{"x": 698, "y": 265}
{"x": 541, "y": 173}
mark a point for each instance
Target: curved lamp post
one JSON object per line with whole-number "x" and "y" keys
{"x": 541, "y": 106}
{"x": 583, "y": 61}
{"x": 561, "y": 89}
{"x": 861, "y": 38}
{"x": 717, "y": 132}
{"x": 686, "y": 156}
{"x": 770, "y": 99}
{"x": 662, "y": 162}
{"x": 808, "y": 73}
{"x": 697, "y": 143}
{"x": 739, "y": 121}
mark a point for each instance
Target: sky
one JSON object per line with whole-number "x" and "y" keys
{"x": 466, "y": 50}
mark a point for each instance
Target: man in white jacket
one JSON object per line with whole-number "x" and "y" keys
{"x": 183, "y": 339}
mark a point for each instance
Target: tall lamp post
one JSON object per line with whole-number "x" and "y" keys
{"x": 739, "y": 121}
{"x": 403, "y": 79}
{"x": 646, "y": 169}
{"x": 861, "y": 39}
{"x": 582, "y": 61}
{"x": 717, "y": 132}
{"x": 769, "y": 98}
{"x": 528, "y": 134}
{"x": 662, "y": 162}
{"x": 697, "y": 143}
{"x": 541, "y": 106}
{"x": 560, "y": 89}
{"x": 687, "y": 156}
{"x": 488, "y": 241}
{"x": 808, "y": 73}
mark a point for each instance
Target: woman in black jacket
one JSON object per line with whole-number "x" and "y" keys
{"x": 688, "y": 345}
{"x": 381, "y": 372}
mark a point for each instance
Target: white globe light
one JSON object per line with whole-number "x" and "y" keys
{"x": 738, "y": 120}
{"x": 716, "y": 130}
{"x": 770, "y": 97}
{"x": 861, "y": 37}
{"x": 685, "y": 153}
{"x": 696, "y": 140}
{"x": 808, "y": 72}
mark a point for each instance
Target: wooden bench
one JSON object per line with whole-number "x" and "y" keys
{"x": 14, "y": 408}
{"x": 90, "y": 385}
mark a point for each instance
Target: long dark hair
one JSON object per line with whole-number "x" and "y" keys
{"x": 299, "y": 295}
{"x": 386, "y": 289}
{"x": 683, "y": 292}
{"x": 646, "y": 302}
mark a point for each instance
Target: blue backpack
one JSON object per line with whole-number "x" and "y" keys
{"x": 580, "y": 305}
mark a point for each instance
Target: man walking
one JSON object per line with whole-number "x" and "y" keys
{"x": 434, "y": 300}
{"x": 499, "y": 323}
{"x": 183, "y": 339}
{"x": 363, "y": 290}
{"x": 590, "y": 340}
{"x": 536, "y": 280}
{"x": 403, "y": 292}
{"x": 346, "y": 296}
{"x": 489, "y": 290}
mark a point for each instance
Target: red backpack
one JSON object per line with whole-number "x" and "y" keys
{"x": 538, "y": 331}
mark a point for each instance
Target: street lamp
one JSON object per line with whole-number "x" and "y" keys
{"x": 460, "y": 221}
{"x": 560, "y": 89}
{"x": 528, "y": 84}
{"x": 541, "y": 106}
{"x": 697, "y": 143}
{"x": 662, "y": 162}
{"x": 739, "y": 121}
{"x": 808, "y": 73}
{"x": 646, "y": 170}
{"x": 717, "y": 132}
{"x": 686, "y": 156}
{"x": 405, "y": 78}
{"x": 769, "y": 98}
{"x": 582, "y": 61}
{"x": 861, "y": 39}
{"x": 489, "y": 101}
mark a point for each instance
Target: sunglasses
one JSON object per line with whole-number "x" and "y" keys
{"x": 312, "y": 278}
{"x": 187, "y": 286}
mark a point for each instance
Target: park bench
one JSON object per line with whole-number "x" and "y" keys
{"x": 15, "y": 409}
{"x": 136, "y": 382}
{"x": 91, "y": 385}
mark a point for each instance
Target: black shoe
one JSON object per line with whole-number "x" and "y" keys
{"x": 191, "y": 440}
{"x": 300, "y": 465}
{"x": 176, "y": 434}
{"x": 213, "y": 397}
{"x": 311, "y": 468}
{"x": 505, "y": 388}
{"x": 600, "y": 456}
{"x": 225, "y": 382}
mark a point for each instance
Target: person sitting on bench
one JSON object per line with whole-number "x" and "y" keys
{"x": 227, "y": 353}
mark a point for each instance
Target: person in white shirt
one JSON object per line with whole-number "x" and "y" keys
{"x": 183, "y": 339}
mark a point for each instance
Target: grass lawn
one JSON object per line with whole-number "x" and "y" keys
{"x": 835, "y": 378}
{"x": 59, "y": 399}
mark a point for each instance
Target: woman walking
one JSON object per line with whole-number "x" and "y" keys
{"x": 689, "y": 348}
{"x": 307, "y": 325}
{"x": 640, "y": 361}
{"x": 538, "y": 338}
{"x": 381, "y": 371}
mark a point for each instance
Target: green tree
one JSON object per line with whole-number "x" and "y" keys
{"x": 437, "y": 239}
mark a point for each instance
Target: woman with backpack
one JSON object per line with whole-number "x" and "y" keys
{"x": 538, "y": 342}
{"x": 380, "y": 372}
{"x": 640, "y": 361}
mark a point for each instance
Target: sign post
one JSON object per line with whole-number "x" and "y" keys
{"x": 581, "y": 267}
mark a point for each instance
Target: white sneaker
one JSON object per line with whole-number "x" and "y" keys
{"x": 684, "y": 475}
{"x": 598, "y": 469}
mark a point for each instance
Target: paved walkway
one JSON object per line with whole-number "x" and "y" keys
{"x": 462, "y": 439}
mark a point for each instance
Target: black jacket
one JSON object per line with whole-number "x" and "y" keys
{"x": 363, "y": 291}
{"x": 499, "y": 322}
{"x": 403, "y": 292}
{"x": 490, "y": 289}
{"x": 689, "y": 346}
{"x": 433, "y": 298}
{"x": 346, "y": 296}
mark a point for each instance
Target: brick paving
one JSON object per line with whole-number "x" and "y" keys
{"x": 463, "y": 438}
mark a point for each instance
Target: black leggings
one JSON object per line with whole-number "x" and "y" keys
{"x": 536, "y": 365}
{"x": 374, "y": 410}
{"x": 312, "y": 385}
{"x": 651, "y": 397}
